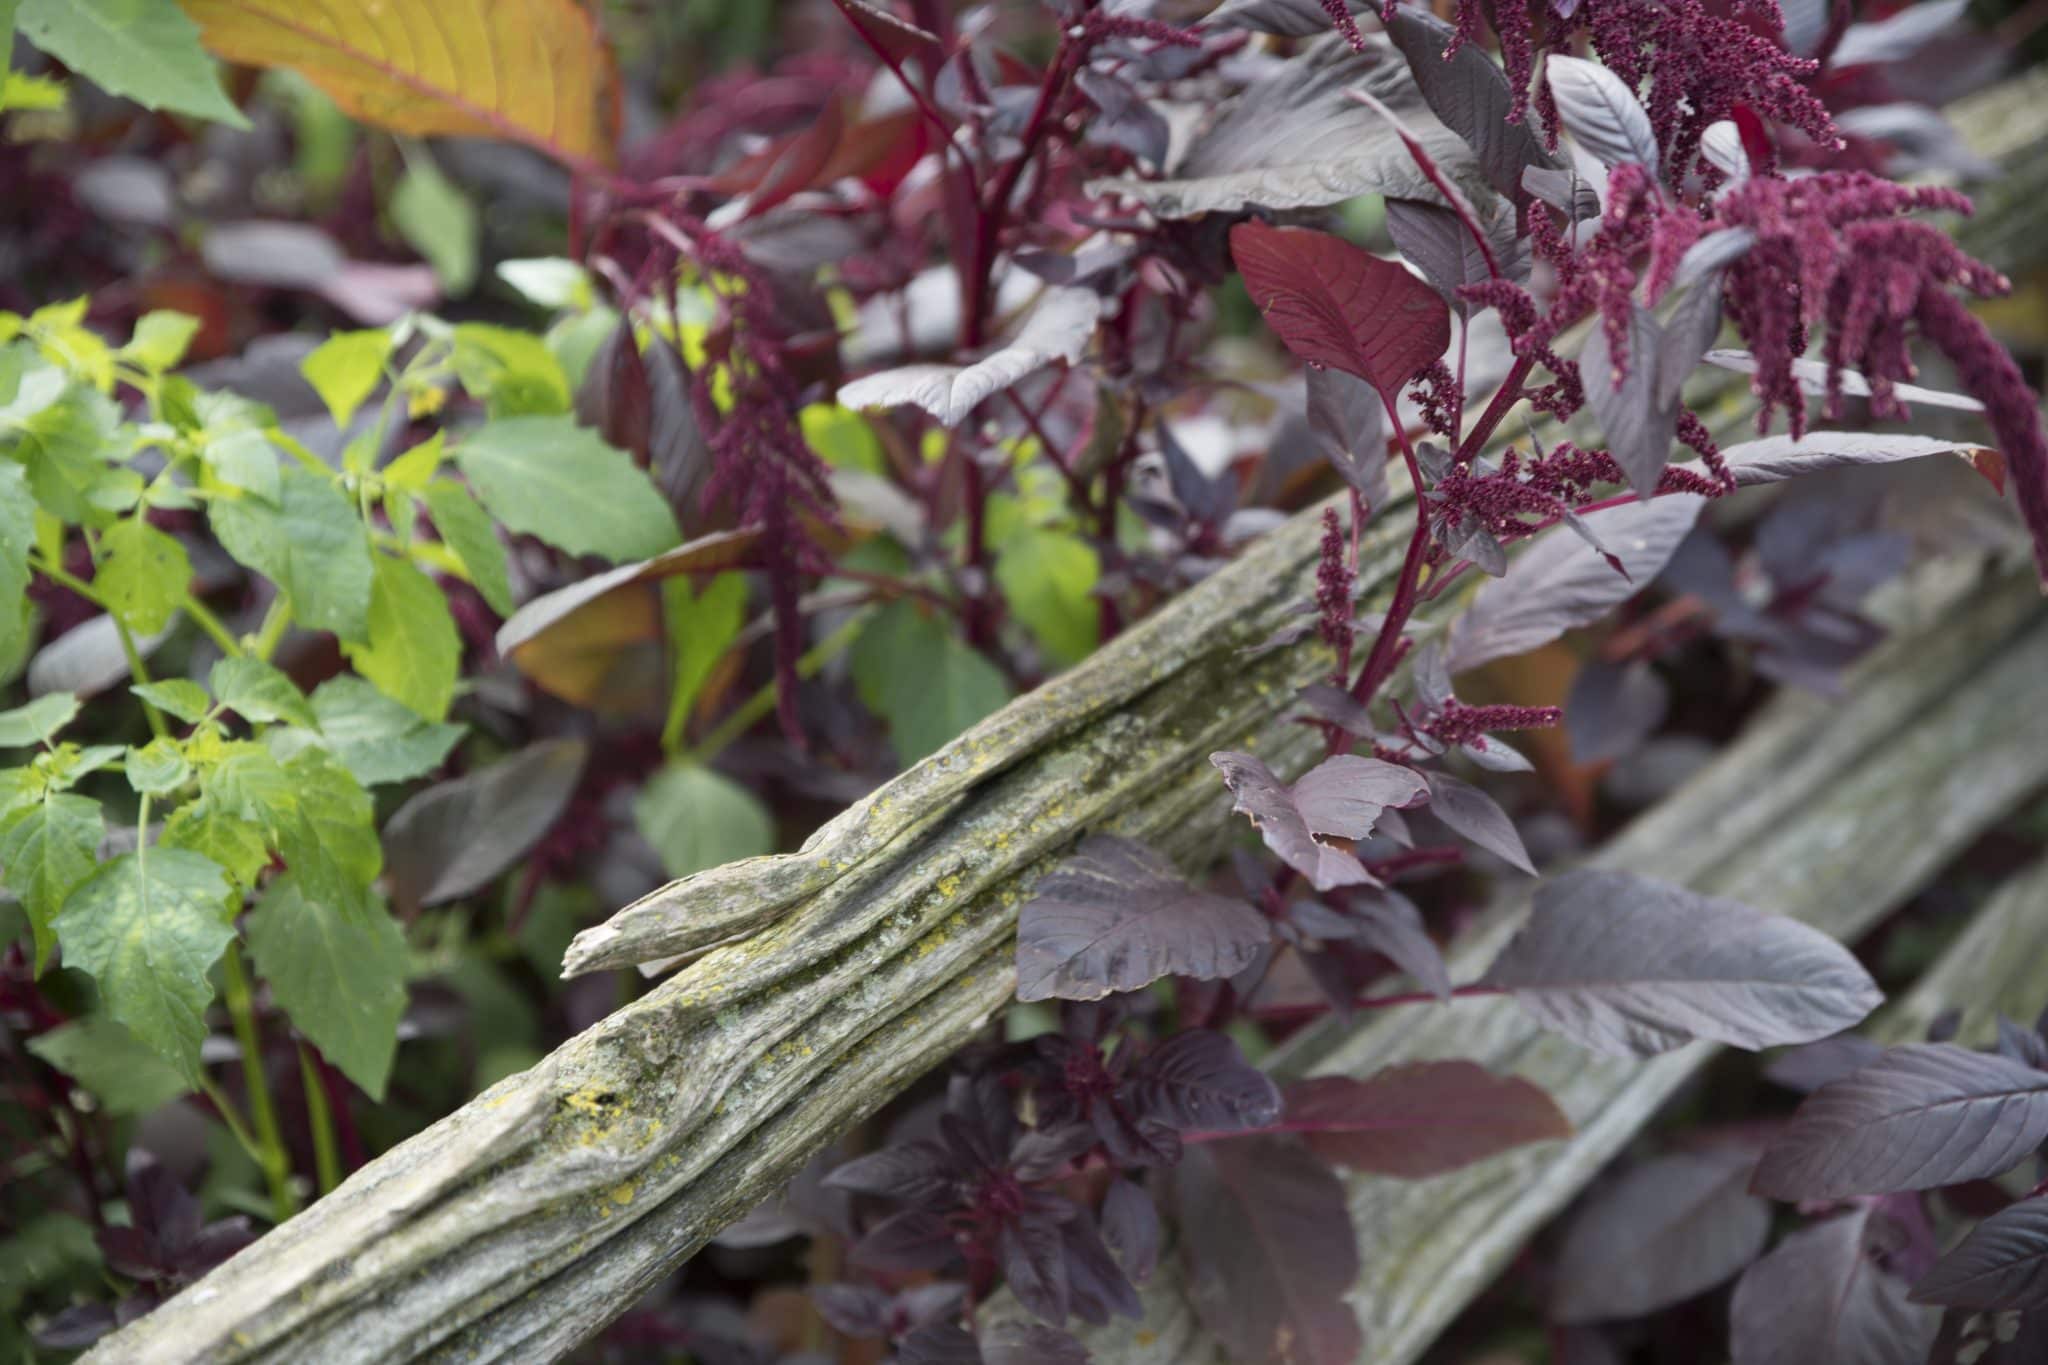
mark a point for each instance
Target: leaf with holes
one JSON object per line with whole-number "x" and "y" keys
{"x": 1422, "y": 1118}
{"x": 1668, "y": 1229}
{"x": 1632, "y": 967}
{"x": 1920, "y": 1116}
{"x": 1341, "y": 307}
{"x": 1341, "y": 796}
{"x": 1115, "y": 917}
{"x": 545, "y": 80}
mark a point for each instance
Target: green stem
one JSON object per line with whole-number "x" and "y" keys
{"x": 274, "y": 621}
{"x": 326, "y": 1161}
{"x": 270, "y": 1139}
{"x": 750, "y": 711}
{"x": 203, "y": 617}
{"x": 73, "y": 583}
{"x": 140, "y": 672}
{"x": 232, "y": 1117}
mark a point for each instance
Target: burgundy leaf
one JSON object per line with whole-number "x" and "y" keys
{"x": 1130, "y": 1225}
{"x": 1612, "y": 708}
{"x": 1434, "y": 241}
{"x": 2003, "y": 1263}
{"x": 1199, "y": 1080}
{"x": 1114, "y": 917}
{"x": 1561, "y": 583}
{"x": 940, "y": 1343}
{"x": 1472, "y": 813}
{"x": 1034, "y": 1261}
{"x": 1629, "y": 401}
{"x": 858, "y": 1310}
{"x": 915, "y": 1239}
{"x": 1670, "y": 1228}
{"x": 1631, "y": 967}
{"x": 1388, "y": 923}
{"x": 1341, "y": 796}
{"x": 1421, "y": 1119}
{"x": 451, "y": 839}
{"x": 1920, "y": 1116}
{"x": 1341, "y": 307}
{"x": 1098, "y": 1288}
{"x": 1822, "y": 1298}
{"x": 1269, "y": 1251}
{"x": 1813, "y": 1065}
{"x": 913, "y": 1172}
{"x": 2022, "y": 1044}
{"x": 1349, "y": 424}
{"x": 615, "y": 397}
{"x": 1471, "y": 95}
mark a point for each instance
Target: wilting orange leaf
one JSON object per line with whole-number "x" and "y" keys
{"x": 535, "y": 72}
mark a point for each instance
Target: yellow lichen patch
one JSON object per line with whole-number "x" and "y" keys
{"x": 622, "y": 1194}
{"x": 949, "y": 885}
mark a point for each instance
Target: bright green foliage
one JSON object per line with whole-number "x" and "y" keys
{"x": 143, "y": 574}
{"x": 375, "y": 738}
{"x": 258, "y": 692}
{"x": 513, "y": 372}
{"x": 148, "y": 927}
{"x": 438, "y": 221}
{"x": 413, "y": 652}
{"x": 146, "y": 50}
{"x": 158, "y": 767}
{"x": 47, "y": 848}
{"x": 123, "y": 1073}
{"x": 842, "y": 439}
{"x": 17, "y": 537}
{"x": 701, "y": 627}
{"x": 336, "y": 961}
{"x": 311, "y": 543}
{"x": 36, "y": 722}
{"x": 696, "y": 818}
{"x": 548, "y": 477}
{"x": 180, "y": 697}
{"x": 160, "y": 341}
{"x": 345, "y": 368}
{"x": 1048, "y": 577}
{"x": 918, "y": 675}
{"x": 466, "y": 529}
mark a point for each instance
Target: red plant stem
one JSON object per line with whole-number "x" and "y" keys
{"x": 977, "y": 618}
{"x": 1435, "y": 855}
{"x": 910, "y": 88}
{"x": 1387, "y": 648}
{"x": 1504, "y": 398}
{"x": 992, "y": 210}
{"x": 1077, "y": 487}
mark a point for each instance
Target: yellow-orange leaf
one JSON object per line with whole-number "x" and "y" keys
{"x": 533, "y": 71}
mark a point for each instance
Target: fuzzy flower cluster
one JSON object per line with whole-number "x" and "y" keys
{"x": 1524, "y": 495}
{"x": 1333, "y": 593}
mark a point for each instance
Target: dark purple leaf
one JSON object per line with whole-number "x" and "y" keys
{"x": 1269, "y": 1252}
{"x": 940, "y": 1343}
{"x": 1199, "y": 1081}
{"x": 1809, "y": 1067}
{"x": 1209, "y": 501}
{"x": 1349, "y": 424}
{"x": 451, "y": 839}
{"x": 1688, "y": 330}
{"x": 1561, "y": 583}
{"x": 1114, "y": 917}
{"x": 1341, "y": 796}
{"x": 2021, "y": 1044}
{"x": 679, "y": 455}
{"x": 1714, "y": 252}
{"x": 1632, "y": 967}
{"x": 1130, "y": 1225}
{"x": 1812, "y": 377}
{"x": 1098, "y": 1288}
{"x": 1034, "y": 1262}
{"x": 1283, "y": 18}
{"x": 2002, "y": 1264}
{"x": 1920, "y": 1116}
{"x": 915, "y": 1239}
{"x": 1600, "y": 112}
{"x": 1341, "y": 307}
{"x": 1563, "y": 191}
{"x": 1822, "y": 1298}
{"x": 615, "y": 397}
{"x": 858, "y": 1310}
{"x": 1421, "y": 1119}
{"x": 1639, "y": 422}
{"x": 1436, "y": 243}
{"x": 1612, "y": 708}
{"x": 1471, "y": 95}
{"x": 1670, "y": 1228}
{"x": 919, "y": 1172}
{"x": 1472, "y": 813}
{"x": 1124, "y": 118}
{"x": 1776, "y": 458}
{"x": 1388, "y": 923}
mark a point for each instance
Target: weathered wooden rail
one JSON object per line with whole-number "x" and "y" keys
{"x": 828, "y": 979}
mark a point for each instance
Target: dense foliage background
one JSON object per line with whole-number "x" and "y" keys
{"x": 436, "y": 512}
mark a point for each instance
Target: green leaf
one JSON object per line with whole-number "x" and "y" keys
{"x": 312, "y": 544}
{"x": 1048, "y": 577}
{"x": 145, "y": 50}
{"x": 701, "y": 627}
{"x": 148, "y": 927}
{"x": 62, "y": 442}
{"x": 249, "y": 783}
{"x": 922, "y": 679}
{"x": 221, "y": 836}
{"x": 337, "y": 965}
{"x": 19, "y": 90}
{"x": 438, "y": 221}
{"x": 123, "y": 1073}
{"x": 548, "y": 477}
{"x": 414, "y": 653}
{"x": 513, "y": 372}
{"x": 243, "y": 459}
{"x": 549, "y": 281}
{"x": 696, "y": 818}
{"x": 256, "y": 691}
{"x": 142, "y": 574}
{"x": 466, "y": 529}
{"x": 843, "y": 439}
{"x": 157, "y": 767}
{"x": 345, "y": 369}
{"x": 38, "y": 721}
{"x": 47, "y": 849}
{"x": 180, "y": 697}
{"x": 161, "y": 339}
{"x": 375, "y": 738}
{"x": 17, "y": 530}
{"x": 332, "y": 845}
{"x": 412, "y": 469}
